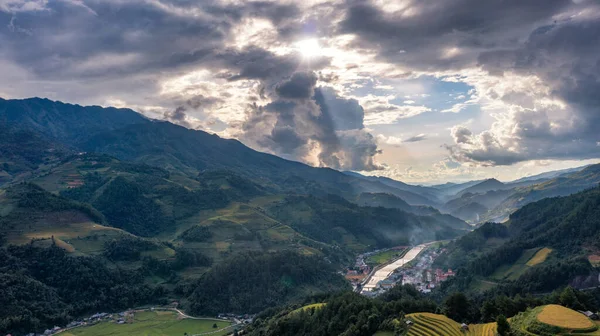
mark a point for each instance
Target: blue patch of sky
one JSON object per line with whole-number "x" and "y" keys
{"x": 431, "y": 92}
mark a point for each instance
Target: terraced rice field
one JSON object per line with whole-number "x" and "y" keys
{"x": 563, "y": 317}
{"x": 488, "y": 329}
{"x": 427, "y": 324}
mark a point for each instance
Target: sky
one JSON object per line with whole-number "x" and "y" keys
{"x": 423, "y": 91}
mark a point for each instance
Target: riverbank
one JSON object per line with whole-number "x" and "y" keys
{"x": 384, "y": 272}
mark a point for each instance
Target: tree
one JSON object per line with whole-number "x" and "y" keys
{"x": 489, "y": 311}
{"x": 568, "y": 298}
{"x": 215, "y": 326}
{"x": 503, "y": 325}
{"x": 457, "y": 307}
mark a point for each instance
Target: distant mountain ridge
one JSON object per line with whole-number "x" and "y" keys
{"x": 483, "y": 187}
{"x": 65, "y": 121}
{"x": 129, "y": 136}
{"x": 548, "y": 175}
{"x": 123, "y": 148}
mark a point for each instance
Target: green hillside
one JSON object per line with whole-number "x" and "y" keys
{"x": 25, "y": 153}
{"x": 567, "y": 226}
{"x": 185, "y": 235}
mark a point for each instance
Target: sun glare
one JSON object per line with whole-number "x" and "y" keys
{"x": 309, "y": 48}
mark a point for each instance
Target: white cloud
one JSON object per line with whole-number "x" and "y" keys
{"x": 380, "y": 110}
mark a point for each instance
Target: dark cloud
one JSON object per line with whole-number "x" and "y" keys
{"x": 257, "y": 63}
{"x": 178, "y": 116}
{"x": 194, "y": 104}
{"x": 565, "y": 56}
{"x": 416, "y": 138}
{"x": 346, "y": 114}
{"x": 98, "y": 38}
{"x": 300, "y": 86}
{"x": 93, "y": 49}
{"x": 105, "y": 39}
{"x": 301, "y": 123}
{"x": 424, "y": 33}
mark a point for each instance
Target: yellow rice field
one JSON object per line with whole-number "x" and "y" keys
{"x": 563, "y": 317}
{"x": 539, "y": 257}
{"x": 427, "y": 324}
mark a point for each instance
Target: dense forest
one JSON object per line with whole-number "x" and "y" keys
{"x": 42, "y": 287}
{"x": 348, "y": 314}
{"x": 569, "y": 225}
{"x": 250, "y": 283}
{"x": 351, "y": 314}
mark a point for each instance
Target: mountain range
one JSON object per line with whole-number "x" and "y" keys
{"x": 178, "y": 207}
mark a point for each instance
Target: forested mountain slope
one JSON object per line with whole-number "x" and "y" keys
{"x": 24, "y": 152}
{"x": 544, "y": 245}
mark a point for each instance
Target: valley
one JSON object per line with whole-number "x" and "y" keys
{"x": 383, "y": 273}
{"x": 147, "y": 212}
{"x": 151, "y": 321}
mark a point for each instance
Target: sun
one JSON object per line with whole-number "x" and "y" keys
{"x": 309, "y": 48}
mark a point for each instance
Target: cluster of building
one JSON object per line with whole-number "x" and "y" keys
{"x": 237, "y": 318}
{"x": 73, "y": 181}
{"x": 422, "y": 275}
{"x": 361, "y": 270}
{"x": 356, "y": 274}
{"x": 590, "y": 315}
{"x": 119, "y": 318}
{"x": 419, "y": 273}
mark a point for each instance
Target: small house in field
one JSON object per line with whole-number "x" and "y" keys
{"x": 409, "y": 323}
{"x": 464, "y": 327}
{"x": 590, "y": 315}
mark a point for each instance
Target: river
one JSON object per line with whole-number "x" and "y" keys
{"x": 386, "y": 271}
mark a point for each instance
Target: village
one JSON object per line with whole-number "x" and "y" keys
{"x": 416, "y": 269}
{"x": 127, "y": 317}
{"x": 118, "y": 318}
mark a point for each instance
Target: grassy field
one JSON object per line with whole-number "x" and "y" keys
{"x": 384, "y": 333}
{"x": 384, "y": 257}
{"x": 539, "y": 257}
{"x": 161, "y": 323}
{"x": 483, "y": 285}
{"x": 426, "y": 324}
{"x": 310, "y": 306}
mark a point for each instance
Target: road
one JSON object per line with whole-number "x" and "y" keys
{"x": 387, "y": 270}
